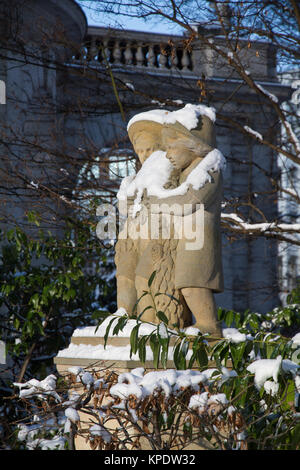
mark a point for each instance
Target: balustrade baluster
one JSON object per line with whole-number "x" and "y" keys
{"x": 128, "y": 54}
{"x": 135, "y": 51}
{"x": 93, "y": 50}
{"x": 140, "y": 56}
{"x": 106, "y": 51}
{"x": 117, "y": 53}
{"x": 185, "y": 61}
{"x": 151, "y": 57}
{"x": 174, "y": 58}
{"x": 163, "y": 59}
{"x": 82, "y": 53}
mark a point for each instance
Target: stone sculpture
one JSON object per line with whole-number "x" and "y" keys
{"x": 180, "y": 181}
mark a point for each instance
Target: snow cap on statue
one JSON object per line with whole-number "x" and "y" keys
{"x": 195, "y": 121}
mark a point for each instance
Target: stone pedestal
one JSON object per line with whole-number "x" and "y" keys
{"x": 87, "y": 351}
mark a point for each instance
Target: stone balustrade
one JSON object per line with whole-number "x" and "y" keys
{"x": 174, "y": 54}
{"x": 134, "y": 49}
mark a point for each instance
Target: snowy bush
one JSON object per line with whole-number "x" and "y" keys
{"x": 238, "y": 392}
{"x": 46, "y": 290}
{"x": 241, "y": 392}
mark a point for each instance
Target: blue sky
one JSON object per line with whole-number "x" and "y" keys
{"x": 98, "y": 19}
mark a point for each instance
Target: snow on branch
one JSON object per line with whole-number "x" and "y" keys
{"x": 263, "y": 227}
{"x": 293, "y": 137}
{"x": 267, "y": 93}
{"x": 252, "y": 132}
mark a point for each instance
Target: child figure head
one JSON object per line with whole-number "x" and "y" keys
{"x": 178, "y": 148}
{"x": 184, "y": 146}
{"x": 145, "y": 137}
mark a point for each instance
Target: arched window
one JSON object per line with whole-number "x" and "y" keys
{"x": 101, "y": 175}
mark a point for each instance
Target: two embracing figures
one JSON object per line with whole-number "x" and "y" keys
{"x": 172, "y": 219}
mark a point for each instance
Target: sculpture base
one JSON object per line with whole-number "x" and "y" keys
{"x": 87, "y": 350}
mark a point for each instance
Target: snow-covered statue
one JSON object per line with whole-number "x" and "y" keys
{"x": 173, "y": 219}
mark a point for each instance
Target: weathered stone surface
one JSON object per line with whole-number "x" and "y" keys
{"x": 185, "y": 268}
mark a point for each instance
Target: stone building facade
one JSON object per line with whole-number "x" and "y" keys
{"x": 148, "y": 71}
{"x": 289, "y": 256}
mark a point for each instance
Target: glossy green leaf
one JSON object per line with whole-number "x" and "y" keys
{"x": 151, "y": 278}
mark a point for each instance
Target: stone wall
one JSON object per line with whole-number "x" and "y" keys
{"x": 37, "y": 36}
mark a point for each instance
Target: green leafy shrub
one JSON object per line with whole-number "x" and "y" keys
{"x": 49, "y": 285}
{"x": 254, "y": 366}
{"x": 240, "y": 391}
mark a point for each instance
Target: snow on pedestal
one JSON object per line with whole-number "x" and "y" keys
{"x": 88, "y": 347}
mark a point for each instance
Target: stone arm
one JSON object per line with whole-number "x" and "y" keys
{"x": 205, "y": 195}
